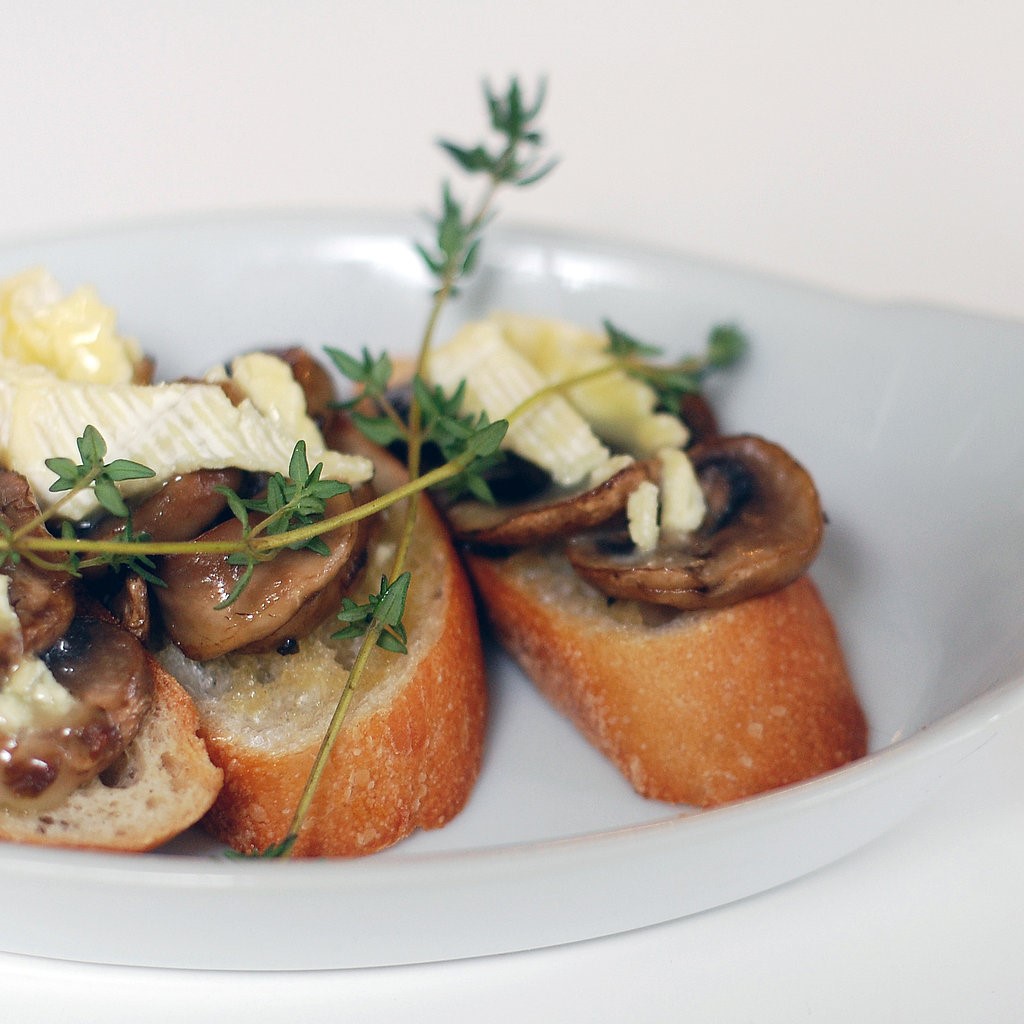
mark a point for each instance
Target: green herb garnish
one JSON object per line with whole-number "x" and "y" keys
{"x": 726, "y": 344}
{"x": 387, "y": 607}
{"x": 93, "y": 472}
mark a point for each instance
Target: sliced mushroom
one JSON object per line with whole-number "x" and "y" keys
{"x": 43, "y": 599}
{"x": 107, "y": 671}
{"x": 763, "y": 527}
{"x": 285, "y": 599}
{"x": 555, "y": 513}
{"x": 696, "y": 412}
{"x": 314, "y": 380}
{"x": 180, "y": 510}
{"x": 130, "y": 606}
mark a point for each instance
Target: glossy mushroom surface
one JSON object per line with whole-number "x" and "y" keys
{"x": 698, "y": 415}
{"x": 762, "y": 529}
{"x": 107, "y": 672}
{"x": 287, "y": 596}
{"x": 181, "y": 509}
{"x": 554, "y": 513}
{"x": 42, "y": 599}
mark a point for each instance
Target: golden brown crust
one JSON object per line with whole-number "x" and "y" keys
{"x": 409, "y": 764}
{"x": 699, "y": 708}
{"x": 406, "y": 758}
{"x": 164, "y": 784}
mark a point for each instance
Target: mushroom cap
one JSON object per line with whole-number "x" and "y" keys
{"x": 43, "y": 599}
{"x": 181, "y": 509}
{"x": 762, "y": 529}
{"x": 287, "y": 596}
{"x": 554, "y": 513}
{"x": 106, "y": 669}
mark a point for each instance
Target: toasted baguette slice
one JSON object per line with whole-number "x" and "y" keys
{"x": 698, "y": 708}
{"x": 164, "y": 783}
{"x": 410, "y": 747}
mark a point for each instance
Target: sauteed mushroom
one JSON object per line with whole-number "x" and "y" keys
{"x": 130, "y": 606}
{"x": 106, "y": 670}
{"x": 314, "y": 380}
{"x": 762, "y": 529}
{"x": 555, "y": 513}
{"x": 286, "y": 597}
{"x": 696, "y": 412}
{"x": 180, "y": 510}
{"x": 43, "y": 600}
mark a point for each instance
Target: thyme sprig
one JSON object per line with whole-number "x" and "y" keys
{"x": 516, "y": 162}
{"x": 93, "y": 472}
{"x": 387, "y": 606}
{"x": 289, "y": 503}
{"x": 458, "y": 239}
{"x": 726, "y": 344}
{"x": 513, "y": 119}
{"x": 292, "y": 514}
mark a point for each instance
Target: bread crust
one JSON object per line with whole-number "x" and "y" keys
{"x": 406, "y": 758}
{"x": 409, "y": 764}
{"x": 163, "y": 785}
{"x": 699, "y": 708}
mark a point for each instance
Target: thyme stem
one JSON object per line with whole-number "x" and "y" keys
{"x": 44, "y": 517}
{"x": 458, "y": 262}
{"x": 263, "y": 544}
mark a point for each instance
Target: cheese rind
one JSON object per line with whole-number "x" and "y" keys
{"x": 551, "y": 434}
{"x": 29, "y": 696}
{"x": 619, "y": 408}
{"x": 171, "y": 428}
{"x": 74, "y": 335}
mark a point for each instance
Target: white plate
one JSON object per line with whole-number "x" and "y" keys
{"x": 911, "y": 421}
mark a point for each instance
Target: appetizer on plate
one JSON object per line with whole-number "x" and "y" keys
{"x": 648, "y": 573}
{"x": 185, "y": 552}
{"x": 222, "y": 599}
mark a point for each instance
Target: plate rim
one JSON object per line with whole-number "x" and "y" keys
{"x": 962, "y": 730}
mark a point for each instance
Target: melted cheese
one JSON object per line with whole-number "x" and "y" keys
{"x": 29, "y": 697}
{"x": 642, "y": 515}
{"x": 74, "y": 336}
{"x": 619, "y": 408}
{"x": 551, "y": 434}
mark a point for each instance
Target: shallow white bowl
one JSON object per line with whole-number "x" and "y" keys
{"x": 910, "y": 420}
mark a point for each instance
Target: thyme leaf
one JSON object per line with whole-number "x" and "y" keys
{"x": 625, "y": 345}
{"x": 381, "y": 430}
{"x": 726, "y": 344}
{"x": 386, "y": 607}
{"x": 512, "y": 118}
{"x": 460, "y": 437}
{"x": 94, "y": 472}
{"x": 272, "y": 852}
{"x": 372, "y": 375}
